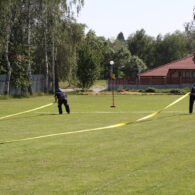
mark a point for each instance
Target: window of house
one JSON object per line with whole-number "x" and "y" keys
{"x": 187, "y": 75}
{"x": 180, "y": 74}
{"x": 193, "y": 74}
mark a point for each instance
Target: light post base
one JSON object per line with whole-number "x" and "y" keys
{"x": 113, "y": 106}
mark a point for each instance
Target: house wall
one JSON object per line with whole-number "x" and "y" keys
{"x": 153, "y": 81}
{"x": 114, "y": 85}
{"x": 181, "y": 76}
{"x": 145, "y": 82}
{"x": 181, "y": 73}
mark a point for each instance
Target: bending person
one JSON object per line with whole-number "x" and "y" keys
{"x": 62, "y": 99}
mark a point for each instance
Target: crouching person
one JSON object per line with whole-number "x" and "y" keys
{"x": 62, "y": 99}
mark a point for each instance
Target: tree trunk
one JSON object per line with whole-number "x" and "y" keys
{"x": 56, "y": 78}
{"x": 46, "y": 62}
{"x": 8, "y": 76}
{"x": 53, "y": 66}
{"x": 29, "y": 72}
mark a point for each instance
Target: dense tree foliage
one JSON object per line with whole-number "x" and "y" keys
{"x": 121, "y": 57}
{"x": 36, "y": 30}
{"x": 133, "y": 67}
{"x": 142, "y": 45}
{"x": 89, "y": 60}
{"x": 121, "y": 37}
{"x": 171, "y": 47}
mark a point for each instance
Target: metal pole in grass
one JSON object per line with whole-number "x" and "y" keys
{"x": 112, "y": 79}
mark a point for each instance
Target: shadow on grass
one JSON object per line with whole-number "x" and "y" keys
{"x": 43, "y": 114}
{"x": 181, "y": 114}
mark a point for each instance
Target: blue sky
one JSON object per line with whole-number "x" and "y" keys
{"x": 109, "y": 17}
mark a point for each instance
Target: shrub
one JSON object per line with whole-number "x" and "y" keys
{"x": 178, "y": 91}
{"x": 120, "y": 90}
{"x": 150, "y": 89}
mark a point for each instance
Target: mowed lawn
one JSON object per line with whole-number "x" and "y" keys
{"x": 154, "y": 157}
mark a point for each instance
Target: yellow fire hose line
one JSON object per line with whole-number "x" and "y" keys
{"x": 88, "y": 130}
{"x": 26, "y": 111}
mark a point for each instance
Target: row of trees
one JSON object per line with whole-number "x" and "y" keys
{"x": 141, "y": 52}
{"x": 42, "y": 36}
{"x": 33, "y": 36}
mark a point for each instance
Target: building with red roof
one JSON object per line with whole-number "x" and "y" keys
{"x": 177, "y": 72}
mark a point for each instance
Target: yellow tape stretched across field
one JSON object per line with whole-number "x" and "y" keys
{"x": 95, "y": 129}
{"x": 26, "y": 111}
{"x": 155, "y": 113}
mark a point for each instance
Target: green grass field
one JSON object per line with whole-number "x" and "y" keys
{"x": 154, "y": 157}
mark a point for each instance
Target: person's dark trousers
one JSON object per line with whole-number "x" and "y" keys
{"x": 192, "y": 98}
{"x": 60, "y": 102}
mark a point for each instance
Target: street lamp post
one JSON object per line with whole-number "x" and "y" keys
{"x": 111, "y": 68}
{"x": 112, "y": 77}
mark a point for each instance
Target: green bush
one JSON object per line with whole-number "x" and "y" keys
{"x": 178, "y": 91}
{"x": 86, "y": 90}
{"x": 121, "y": 90}
{"x": 150, "y": 89}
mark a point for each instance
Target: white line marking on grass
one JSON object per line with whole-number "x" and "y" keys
{"x": 103, "y": 112}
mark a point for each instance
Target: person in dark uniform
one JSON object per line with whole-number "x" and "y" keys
{"x": 192, "y": 98}
{"x": 62, "y": 99}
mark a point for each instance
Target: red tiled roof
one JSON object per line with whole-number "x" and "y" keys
{"x": 184, "y": 64}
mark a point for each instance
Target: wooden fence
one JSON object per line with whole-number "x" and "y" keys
{"x": 144, "y": 82}
{"x": 152, "y": 81}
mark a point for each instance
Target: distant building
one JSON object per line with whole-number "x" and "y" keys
{"x": 176, "y": 74}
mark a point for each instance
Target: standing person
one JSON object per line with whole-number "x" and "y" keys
{"x": 62, "y": 99}
{"x": 192, "y": 98}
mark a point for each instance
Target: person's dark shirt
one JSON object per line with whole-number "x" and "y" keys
{"x": 60, "y": 95}
{"x": 193, "y": 90}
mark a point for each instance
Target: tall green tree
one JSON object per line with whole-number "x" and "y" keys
{"x": 121, "y": 37}
{"x": 7, "y": 15}
{"x": 89, "y": 59}
{"x": 30, "y": 17}
{"x": 54, "y": 12}
{"x": 121, "y": 57}
{"x": 190, "y": 33}
{"x": 108, "y": 55}
{"x": 171, "y": 47}
{"x": 66, "y": 54}
{"x": 133, "y": 67}
{"x": 142, "y": 45}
